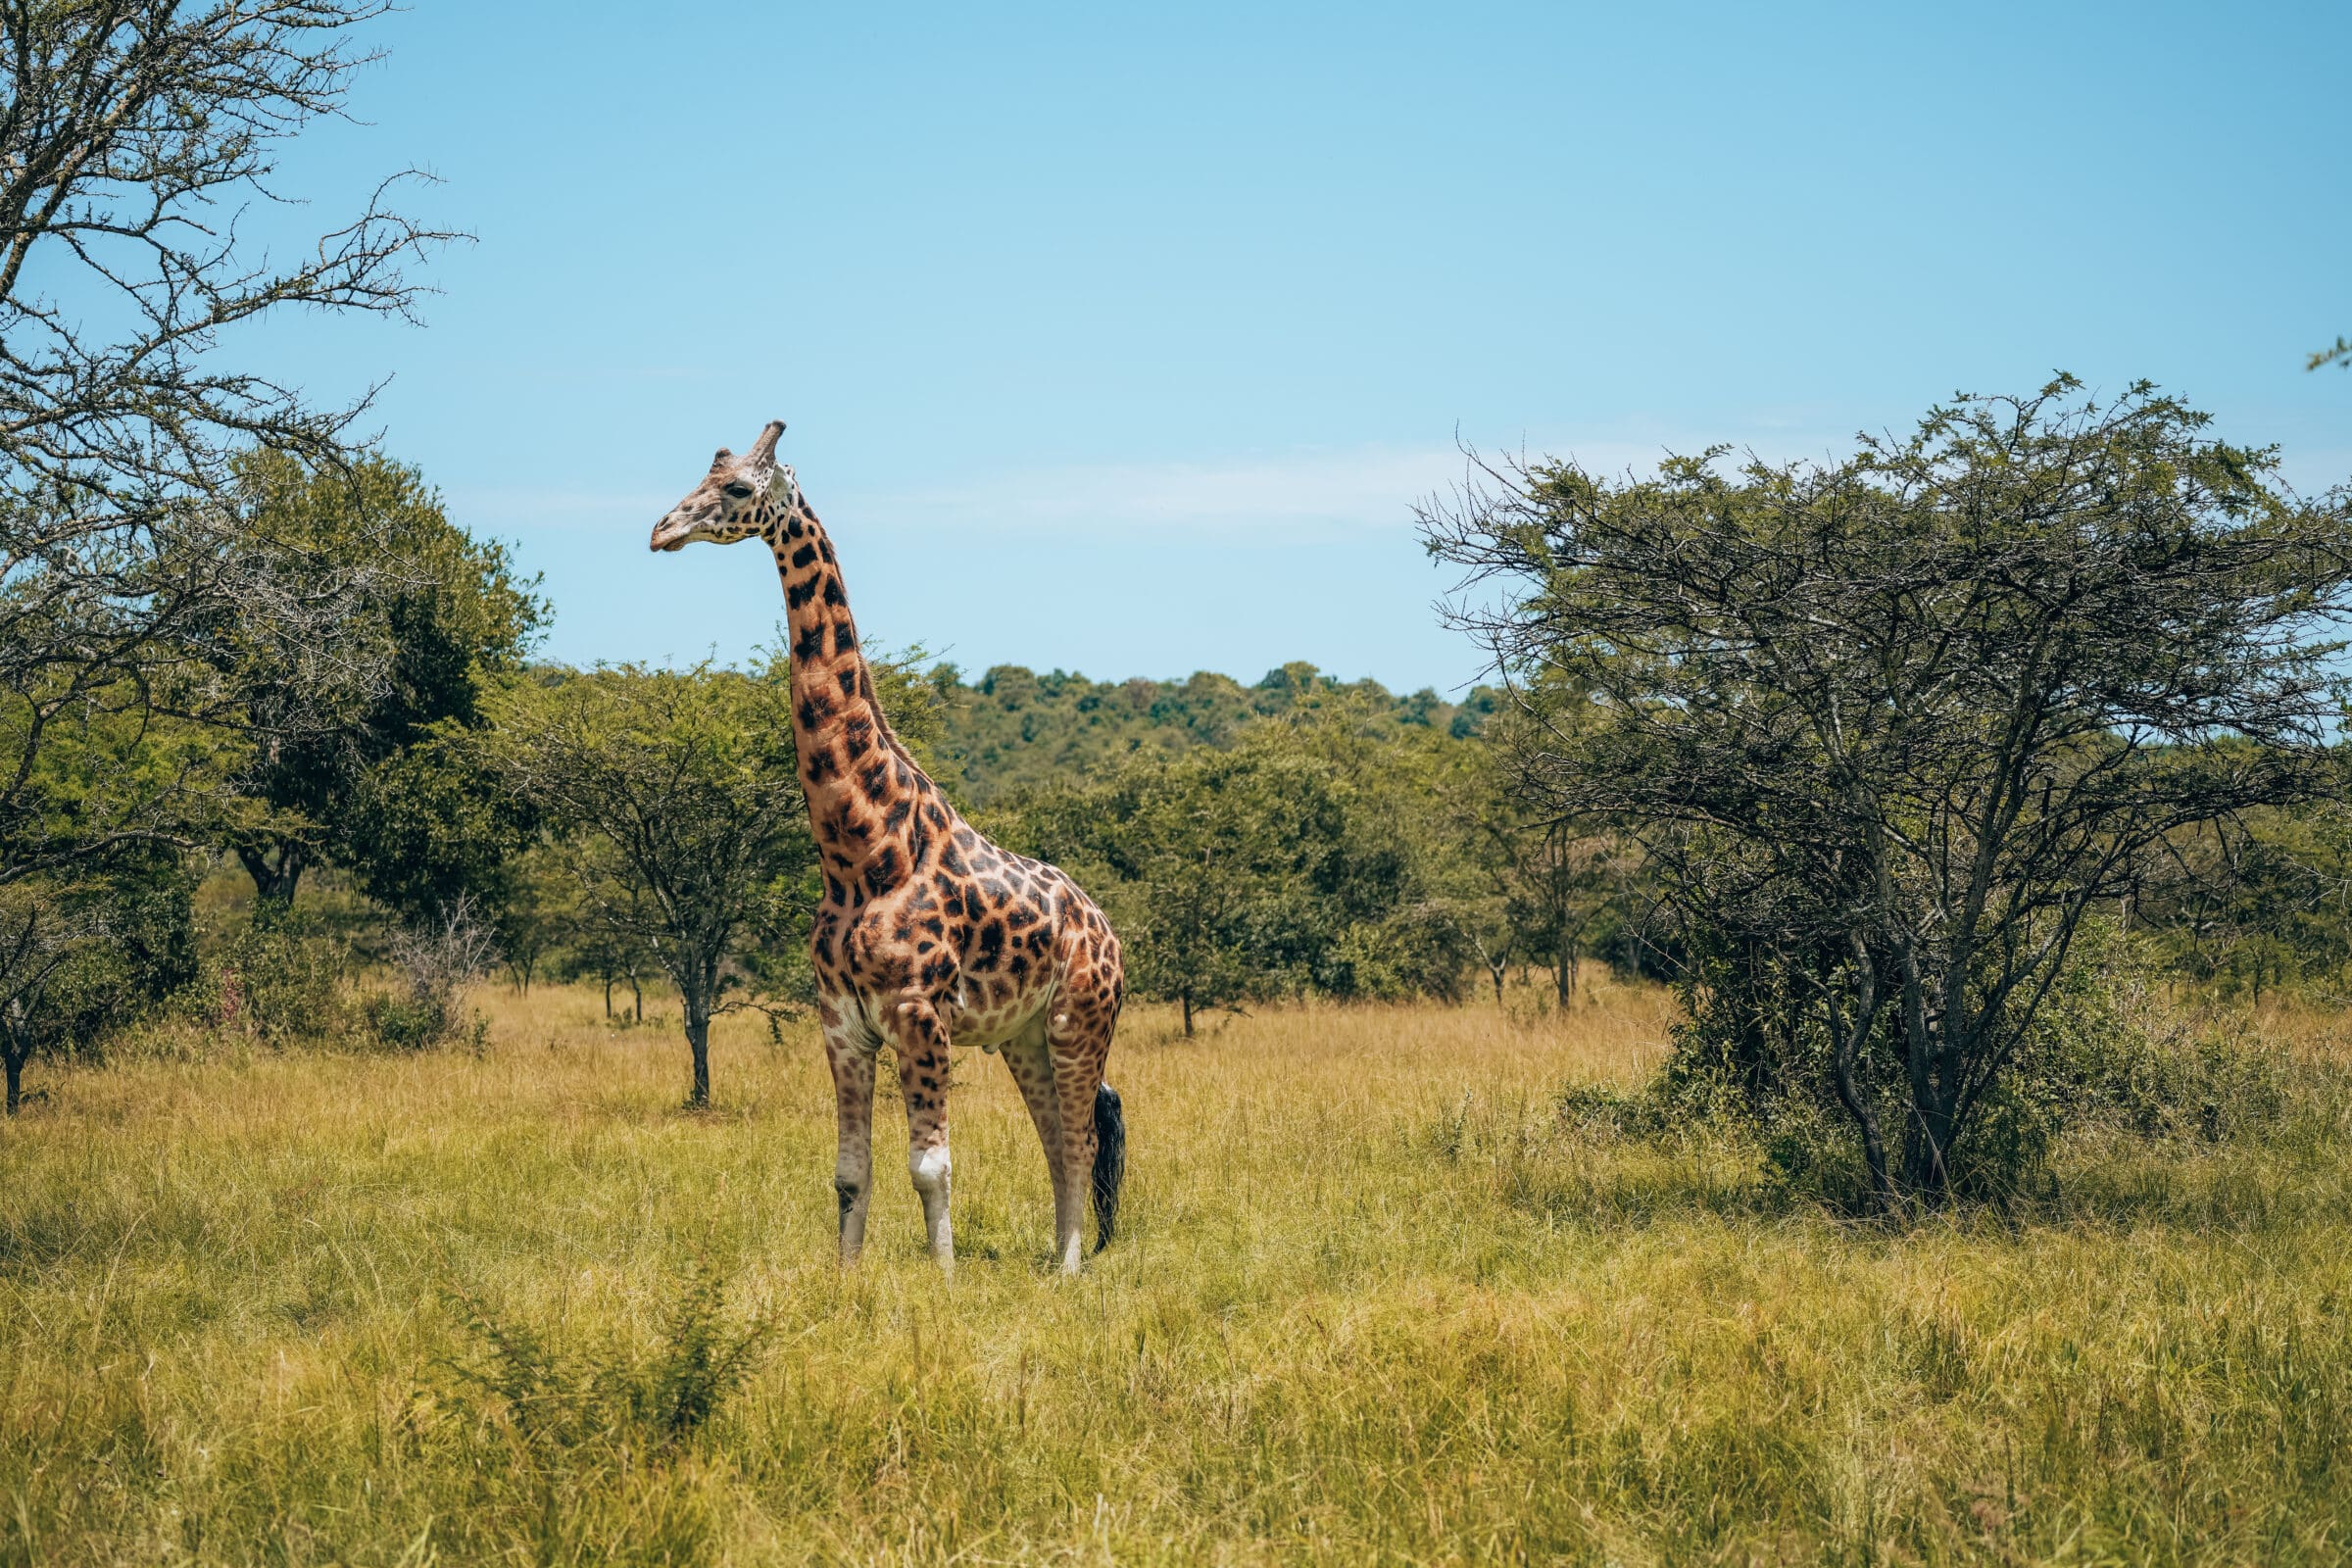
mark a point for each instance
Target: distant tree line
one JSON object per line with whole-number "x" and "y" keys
{"x": 1013, "y": 729}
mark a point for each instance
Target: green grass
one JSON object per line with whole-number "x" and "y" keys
{"x": 1373, "y": 1302}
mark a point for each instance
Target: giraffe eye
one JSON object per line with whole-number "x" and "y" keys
{"x": 739, "y": 491}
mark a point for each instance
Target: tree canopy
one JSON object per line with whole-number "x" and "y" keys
{"x": 1888, "y": 727}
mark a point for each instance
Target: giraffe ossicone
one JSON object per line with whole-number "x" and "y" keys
{"x": 928, "y": 935}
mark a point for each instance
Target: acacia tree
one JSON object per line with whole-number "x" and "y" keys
{"x": 675, "y": 802}
{"x": 1888, "y": 728}
{"x": 133, "y": 597}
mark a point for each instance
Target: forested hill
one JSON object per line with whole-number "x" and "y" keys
{"x": 1013, "y": 729}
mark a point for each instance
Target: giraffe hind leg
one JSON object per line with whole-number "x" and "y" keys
{"x": 1031, "y": 1064}
{"x": 852, "y": 1063}
{"x": 1078, "y": 1038}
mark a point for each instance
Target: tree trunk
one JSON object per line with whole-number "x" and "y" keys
{"x": 15, "y": 1082}
{"x": 636, "y": 1000}
{"x": 1927, "y": 1148}
{"x": 1848, "y": 1045}
{"x": 698, "y": 1037}
{"x": 1187, "y": 1015}
{"x": 274, "y": 884}
{"x": 1563, "y": 973}
{"x": 607, "y": 999}
{"x": 1497, "y": 972}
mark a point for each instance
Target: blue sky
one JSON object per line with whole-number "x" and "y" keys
{"x": 1122, "y": 340}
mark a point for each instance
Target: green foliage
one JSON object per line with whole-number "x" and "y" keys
{"x": 676, "y": 806}
{"x": 82, "y": 955}
{"x": 1295, "y": 861}
{"x": 1017, "y": 731}
{"x": 404, "y": 1023}
{"x": 281, "y": 979}
{"x": 436, "y": 823}
{"x": 372, "y": 780}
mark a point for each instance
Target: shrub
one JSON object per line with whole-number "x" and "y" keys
{"x": 563, "y": 1444}
{"x": 2107, "y": 1057}
{"x": 434, "y": 961}
{"x": 280, "y": 980}
{"x": 615, "y": 1394}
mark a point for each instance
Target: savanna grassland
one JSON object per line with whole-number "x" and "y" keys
{"x": 1375, "y": 1300}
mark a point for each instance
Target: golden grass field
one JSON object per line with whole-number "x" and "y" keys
{"x": 1373, "y": 1302}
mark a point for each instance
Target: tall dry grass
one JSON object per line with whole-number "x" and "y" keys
{"x": 1372, "y": 1302}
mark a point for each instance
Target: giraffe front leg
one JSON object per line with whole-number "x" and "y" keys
{"x": 853, "y": 1063}
{"x": 920, "y": 1040}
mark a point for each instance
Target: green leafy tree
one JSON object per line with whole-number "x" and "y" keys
{"x": 80, "y": 954}
{"x": 1889, "y": 728}
{"x": 540, "y": 912}
{"x": 1285, "y": 865}
{"x": 1546, "y": 887}
{"x": 434, "y": 619}
{"x": 436, "y": 822}
{"x": 675, "y": 805}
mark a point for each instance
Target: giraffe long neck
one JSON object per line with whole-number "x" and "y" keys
{"x": 867, "y": 798}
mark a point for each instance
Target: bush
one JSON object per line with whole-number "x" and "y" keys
{"x": 82, "y": 958}
{"x": 280, "y": 980}
{"x": 2108, "y": 1056}
{"x": 2111, "y": 1055}
{"x": 555, "y": 1437}
{"x": 434, "y": 961}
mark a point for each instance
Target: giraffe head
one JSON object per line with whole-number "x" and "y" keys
{"x": 731, "y": 502}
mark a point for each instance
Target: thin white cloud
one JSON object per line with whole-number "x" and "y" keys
{"x": 1372, "y": 488}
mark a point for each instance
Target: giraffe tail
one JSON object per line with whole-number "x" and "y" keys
{"x": 1111, "y": 1163}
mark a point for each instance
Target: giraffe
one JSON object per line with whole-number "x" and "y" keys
{"x": 927, "y": 933}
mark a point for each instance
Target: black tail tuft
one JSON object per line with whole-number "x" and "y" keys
{"x": 1111, "y": 1163}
